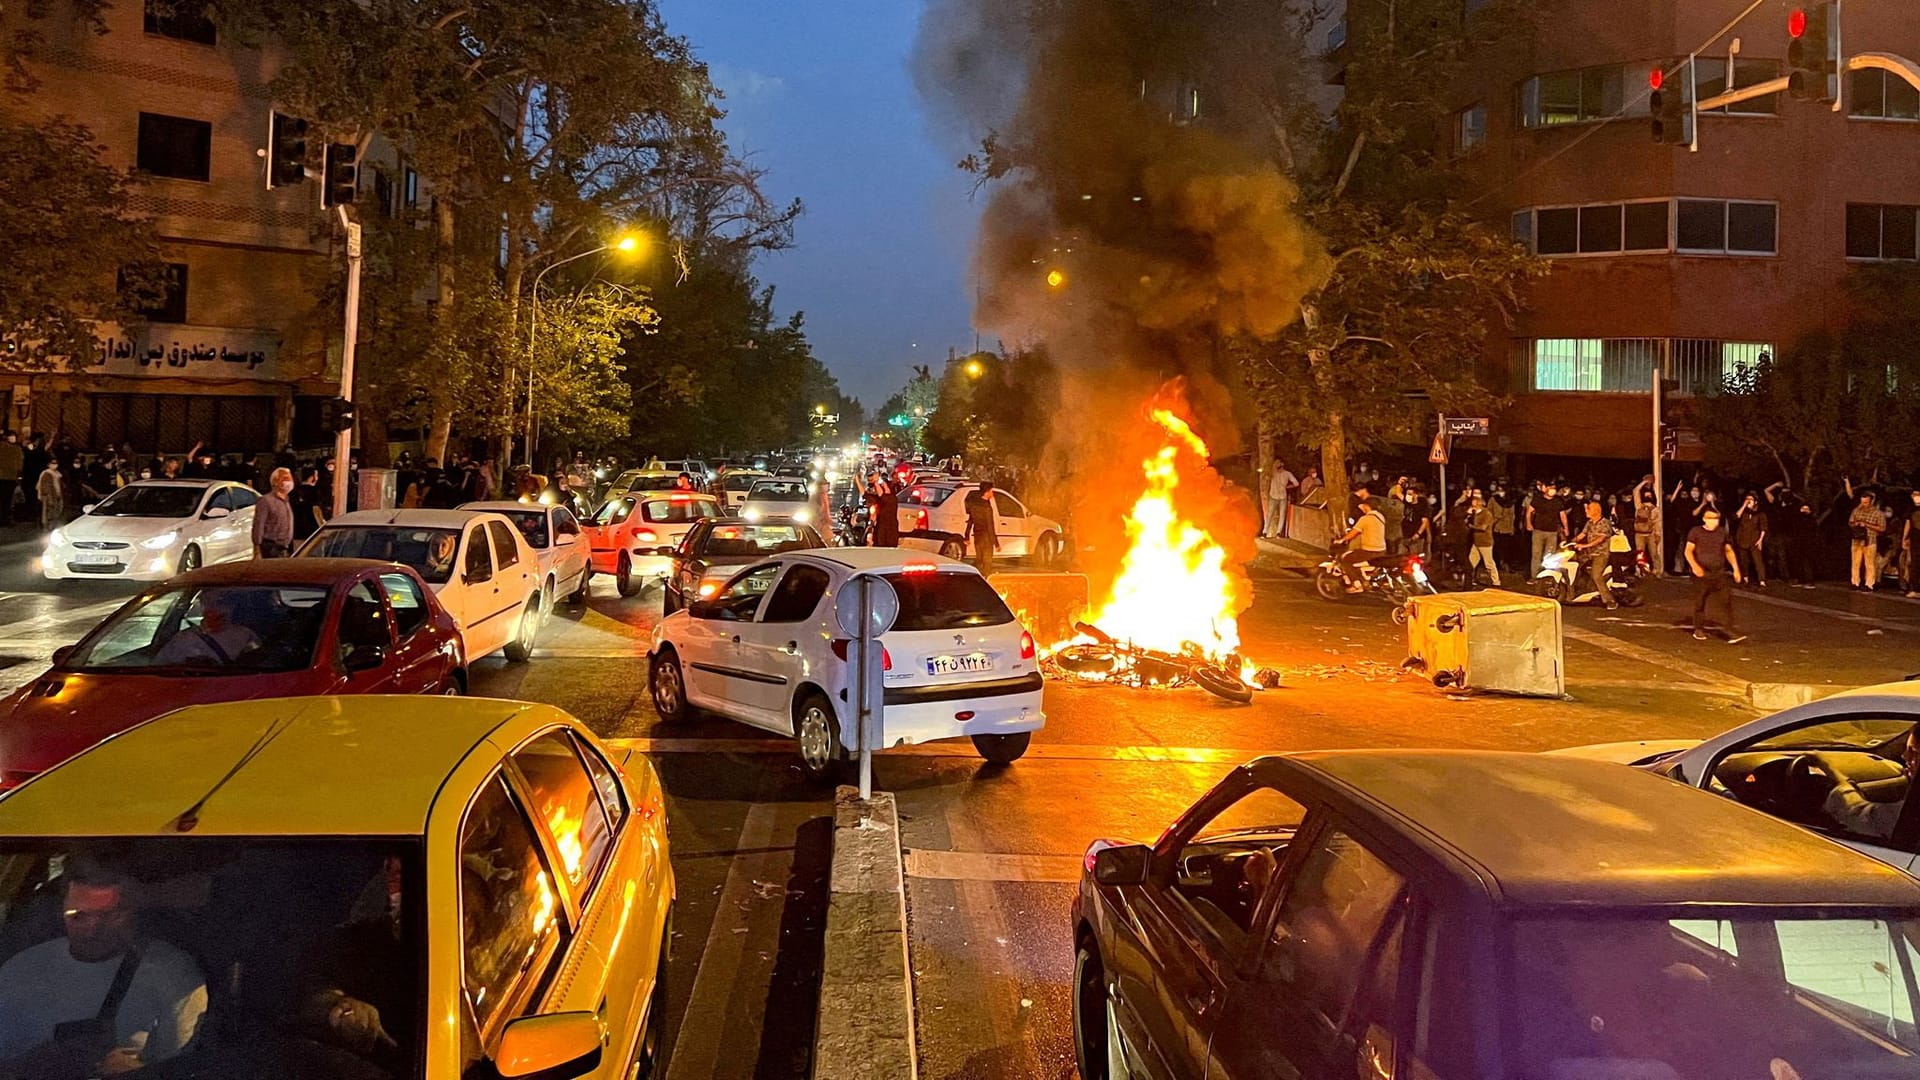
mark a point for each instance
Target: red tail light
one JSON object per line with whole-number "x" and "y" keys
{"x": 840, "y": 650}
{"x": 1026, "y": 646}
{"x": 920, "y": 519}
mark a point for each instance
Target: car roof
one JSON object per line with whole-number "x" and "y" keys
{"x": 425, "y": 519}
{"x": 183, "y": 481}
{"x": 878, "y": 558}
{"x": 1548, "y": 831}
{"x": 504, "y": 506}
{"x": 311, "y": 766}
{"x": 280, "y": 572}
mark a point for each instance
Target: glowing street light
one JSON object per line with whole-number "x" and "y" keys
{"x": 974, "y": 369}
{"x": 1055, "y": 279}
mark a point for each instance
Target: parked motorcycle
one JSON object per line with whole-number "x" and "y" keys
{"x": 1395, "y": 578}
{"x": 1564, "y": 577}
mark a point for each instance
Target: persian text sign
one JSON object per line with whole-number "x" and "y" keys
{"x": 162, "y": 350}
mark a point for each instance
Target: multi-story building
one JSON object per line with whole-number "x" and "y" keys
{"x": 242, "y": 350}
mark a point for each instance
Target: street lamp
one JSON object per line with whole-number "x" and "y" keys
{"x": 627, "y": 243}
{"x": 974, "y": 369}
{"x": 1056, "y": 278}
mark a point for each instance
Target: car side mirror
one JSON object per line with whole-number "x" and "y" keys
{"x": 566, "y": 539}
{"x": 704, "y": 609}
{"x": 88, "y": 509}
{"x": 61, "y": 654}
{"x": 364, "y": 657}
{"x": 1125, "y": 864}
{"x": 667, "y": 551}
{"x": 216, "y": 512}
{"x": 556, "y": 1046}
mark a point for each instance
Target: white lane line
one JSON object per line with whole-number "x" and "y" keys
{"x": 990, "y": 866}
{"x": 1183, "y": 755}
{"x": 1640, "y": 654}
{"x": 697, "y": 1051}
{"x": 1844, "y": 616}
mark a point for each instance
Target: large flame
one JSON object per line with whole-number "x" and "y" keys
{"x": 1176, "y": 586}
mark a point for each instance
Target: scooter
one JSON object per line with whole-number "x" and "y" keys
{"x": 1397, "y": 578}
{"x": 1564, "y": 577}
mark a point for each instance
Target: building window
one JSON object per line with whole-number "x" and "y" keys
{"x": 1646, "y": 226}
{"x": 1523, "y": 229}
{"x": 411, "y": 190}
{"x": 1566, "y": 364}
{"x": 1710, "y": 79}
{"x": 1336, "y": 36}
{"x": 383, "y": 193}
{"x": 183, "y": 20}
{"x": 1626, "y": 365}
{"x": 174, "y": 146}
{"x": 1585, "y": 96}
{"x": 1726, "y": 227}
{"x": 1599, "y": 229}
{"x": 172, "y": 307}
{"x": 1881, "y": 232}
{"x": 1470, "y": 128}
{"x": 1874, "y": 94}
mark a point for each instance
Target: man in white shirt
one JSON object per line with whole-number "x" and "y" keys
{"x": 58, "y": 998}
{"x": 1872, "y": 809}
{"x": 1279, "y": 489}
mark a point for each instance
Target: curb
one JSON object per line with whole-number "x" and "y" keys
{"x": 864, "y": 1030}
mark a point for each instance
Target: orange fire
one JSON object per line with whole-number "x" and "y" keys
{"x": 1177, "y": 584}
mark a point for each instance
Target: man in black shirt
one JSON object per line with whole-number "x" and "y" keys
{"x": 1709, "y": 554}
{"x": 1547, "y": 520}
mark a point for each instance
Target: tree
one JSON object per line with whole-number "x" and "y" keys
{"x": 580, "y": 382}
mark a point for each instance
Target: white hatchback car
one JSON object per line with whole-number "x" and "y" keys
{"x": 767, "y": 651}
{"x": 735, "y": 485}
{"x": 554, "y": 535}
{"x": 782, "y": 497}
{"x": 152, "y": 529}
{"x": 1785, "y": 765}
{"x": 937, "y": 510}
{"x": 481, "y": 568}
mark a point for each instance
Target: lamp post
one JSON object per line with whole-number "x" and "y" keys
{"x": 626, "y": 243}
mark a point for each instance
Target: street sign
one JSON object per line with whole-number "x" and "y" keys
{"x": 1437, "y": 453}
{"x": 1477, "y": 426}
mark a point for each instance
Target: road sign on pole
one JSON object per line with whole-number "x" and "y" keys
{"x": 1468, "y": 426}
{"x": 865, "y": 611}
{"x": 1437, "y": 453}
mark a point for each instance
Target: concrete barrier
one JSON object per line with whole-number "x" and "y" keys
{"x": 864, "y": 1030}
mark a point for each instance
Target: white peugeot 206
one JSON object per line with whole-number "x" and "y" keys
{"x": 766, "y": 650}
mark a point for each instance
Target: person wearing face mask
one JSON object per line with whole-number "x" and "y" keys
{"x": 1749, "y": 539}
{"x": 273, "y": 518}
{"x": 1865, "y": 526}
{"x": 1909, "y": 541}
{"x": 1710, "y": 557}
{"x": 1682, "y": 507}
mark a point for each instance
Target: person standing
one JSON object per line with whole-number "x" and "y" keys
{"x": 983, "y": 527}
{"x": 1480, "y": 529}
{"x": 1280, "y": 486}
{"x": 884, "y": 512}
{"x": 1865, "y": 526}
{"x": 1547, "y": 521}
{"x": 1909, "y": 541}
{"x": 1803, "y": 539}
{"x": 1710, "y": 557}
{"x": 305, "y": 500}
{"x": 1681, "y": 512}
{"x": 33, "y": 462}
{"x": 1749, "y": 539}
{"x": 12, "y": 460}
{"x": 273, "y": 518}
{"x": 49, "y": 490}
{"x": 1645, "y": 536}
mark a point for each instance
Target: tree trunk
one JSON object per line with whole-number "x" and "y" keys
{"x": 1263, "y": 471}
{"x": 440, "y": 417}
{"x": 1333, "y": 470}
{"x": 511, "y": 375}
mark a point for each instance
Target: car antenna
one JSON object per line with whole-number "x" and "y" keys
{"x": 190, "y": 817}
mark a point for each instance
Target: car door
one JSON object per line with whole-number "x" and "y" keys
{"x": 515, "y": 568}
{"x": 715, "y": 669}
{"x": 1012, "y": 526}
{"x": 488, "y": 617}
{"x": 606, "y": 533}
{"x": 775, "y": 648}
{"x": 363, "y": 642}
{"x": 245, "y": 502}
{"x": 214, "y": 530}
{"x": 1192, "y": 925}
{"x": 419, "y": 666}
{"x": 570, "y": 551}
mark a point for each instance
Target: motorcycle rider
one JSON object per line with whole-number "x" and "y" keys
{"x": 1367, "y": 542}
{"x": 1591, "y": 548}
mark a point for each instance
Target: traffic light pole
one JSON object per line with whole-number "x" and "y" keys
{"x": 1659, "y": 476}
{"x": 343, "y": 442}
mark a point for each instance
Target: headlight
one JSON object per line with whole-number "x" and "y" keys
{"x": 751, "y": 514}
{"x": 1419, "y": 574}
{"x": 156, "y": 543}
{"x": 803, "y": 516}
{"x": 56, "y": 537}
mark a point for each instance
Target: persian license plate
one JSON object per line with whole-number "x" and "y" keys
{"x": 95, "y": 558}
{"x": 953, "y": 665}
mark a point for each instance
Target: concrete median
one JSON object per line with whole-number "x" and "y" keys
{"x": 865, "y": 1029}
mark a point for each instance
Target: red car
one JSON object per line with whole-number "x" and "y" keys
{"x": 258, "y": 629}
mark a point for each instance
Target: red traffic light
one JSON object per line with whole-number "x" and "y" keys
{"x": 1797, "y": 23}
{"x": 1656, "y": 78}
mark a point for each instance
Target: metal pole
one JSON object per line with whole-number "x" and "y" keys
{"x": 863, "y": 694}
{"x": 1443, "y": 465}
{"x": 343, "y": 442}
{"x": 1659, "y": 473}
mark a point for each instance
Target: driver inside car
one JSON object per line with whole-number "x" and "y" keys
{"x": 222, "y": 636}
{"x": 1856, "y": 808}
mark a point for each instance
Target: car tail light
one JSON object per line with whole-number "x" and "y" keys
{"x": 646, "y": 536}
{"x": 1026, "y": 646}
{"x": 920, "y": 519}
{"x": 841, "y": 650}
{"x": 918, "y": 568}
{"x": 964, "y": 716}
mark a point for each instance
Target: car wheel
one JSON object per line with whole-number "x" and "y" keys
{"x": 954, "y": 549}
{"x": 647, "y": 1060}
{"x": 817, "y": 733}
{"x": 1003, "y": 749}
{"x": 546, "y": 602}
{"x": 190, "y": 559}
{"x": 520, "y": 649}
{"x": 668, "y": 685}
{"x": 1046, "y": 551}
{"x": 456, "y": 685}
{"x": 623, "y": 578}
{"x": 1092, "y": 1050}
{"x": 585, "y": 590}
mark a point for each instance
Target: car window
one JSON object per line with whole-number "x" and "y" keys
{"x": 221, "y": 500}
{"x": 731, "y": 540}
{"x": 532, "y": 525}
{"x": 211, "y": 630}
{"x": 505, "y": 552}
{"x": 678, "y": 509}
{"x": 564, "y": 523}
{"x": 429, "y": 551}
{"x": 1229, "y": 864}
{"x": 933, "y": 599}
{"x": 479, "y": 564}
{"x": 509, "y": 909}
{"x": 741, "y": 598}
{"x": 1332, "y": 917}
{"x": 243, "y": 497}
{"x": 363, "y": 621}
{"x": 778, "y": 491}
{"x": 919, "y": 495}
{"x": 1008, "y": 506}
{"x": 796, "y": 596}
{"x": 1842, "y": 733}
{"x": 612, "y": 799}
{"x": 151, "y": 501}
{"x": 565, "y": 798}
{"x": 409, "y": 606}
{"x": 613, "y": 512}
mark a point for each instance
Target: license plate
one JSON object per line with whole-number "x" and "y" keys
{"x": 95, "y": 558}
{"x": 954, "y": 665}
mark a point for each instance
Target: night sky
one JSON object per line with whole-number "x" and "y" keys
{"x": 819, "y": 93}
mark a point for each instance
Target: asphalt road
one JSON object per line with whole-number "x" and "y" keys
{"x": 992, "y": 851}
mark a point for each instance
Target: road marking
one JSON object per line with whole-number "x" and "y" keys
{"x": 1719, "y": 680}
{"x": 697, "y": 1050}
{"x": 990, "y": 866}
{"x": 1182, "y": 755}
{"x": 592, "y": 654}
{"x": 1844, "y": 616}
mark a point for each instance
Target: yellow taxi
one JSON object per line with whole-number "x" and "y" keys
{"x": 340, "y": 887}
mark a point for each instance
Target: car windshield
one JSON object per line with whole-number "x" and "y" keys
{"x": 752, "y": 541}
{"x": 921, "y": 495}
{"x": 1853, "y": 733}
{"x": 211, "y": 630}
{"x": 680, "y": 508}
{"x": 778, "y": 491}
{"x": 946, "y": 600}
{"x": 653, "y": 483}
{"x": 1686, "y": 993}
{"x": 248, "y": 951}
{"x": 151, "y": 501}
{"x": 742, "y": 483}
{"x": 430, "y": 551}
{"x": 532, "y": 525}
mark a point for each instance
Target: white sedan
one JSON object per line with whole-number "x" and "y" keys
{"x": 937, "y": 511}
{"x": 152, "y": 529}
{"x": 481, "y": 568}
{"x": 766, "y": 650}
{"x": 1789, "y": 763}
{"x": 780, "y": 497}
{"x": 554, "y": 535}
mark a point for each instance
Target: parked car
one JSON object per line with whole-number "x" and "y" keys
{"x": 1489, "y": 916}
{"x": 262, "y": 628}
{"x": 153, "y": 529}
{"x": 558, "y": 544}
{"x": 779, "y": 497}
{"x": 933, "y": 517}
{"x": 626, "y": 535}
{"x": 714, "y": 549}
{"x": 1788, "y": 763}
{"x": 642, "y": 480}
{"x": 736, "y": 484}
{"x": 350, "y": 887}
{"x": 478, "y": 564}
{"x": 767, "y": 651}
{"x": 693, "y": 467}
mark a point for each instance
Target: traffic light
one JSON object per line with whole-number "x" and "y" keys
{"x": 342, "y": 175}
{"x": 336, "y": 415}
{"x": 286, "y": 150}
{"x": 1670, "y": 111}
{"x": 1813, "y": 54}
{"x": 1669, "y": 442}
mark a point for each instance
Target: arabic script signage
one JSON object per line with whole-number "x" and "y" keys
{"x": 163, "y": 350}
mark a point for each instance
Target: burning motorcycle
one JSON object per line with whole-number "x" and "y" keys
{"x": 1109, "y": 660}
{"x": 1397, "y": 578}
{"x": 1564, "y": 577}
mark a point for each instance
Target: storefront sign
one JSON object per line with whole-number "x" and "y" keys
{"x": 160, "y": 350}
